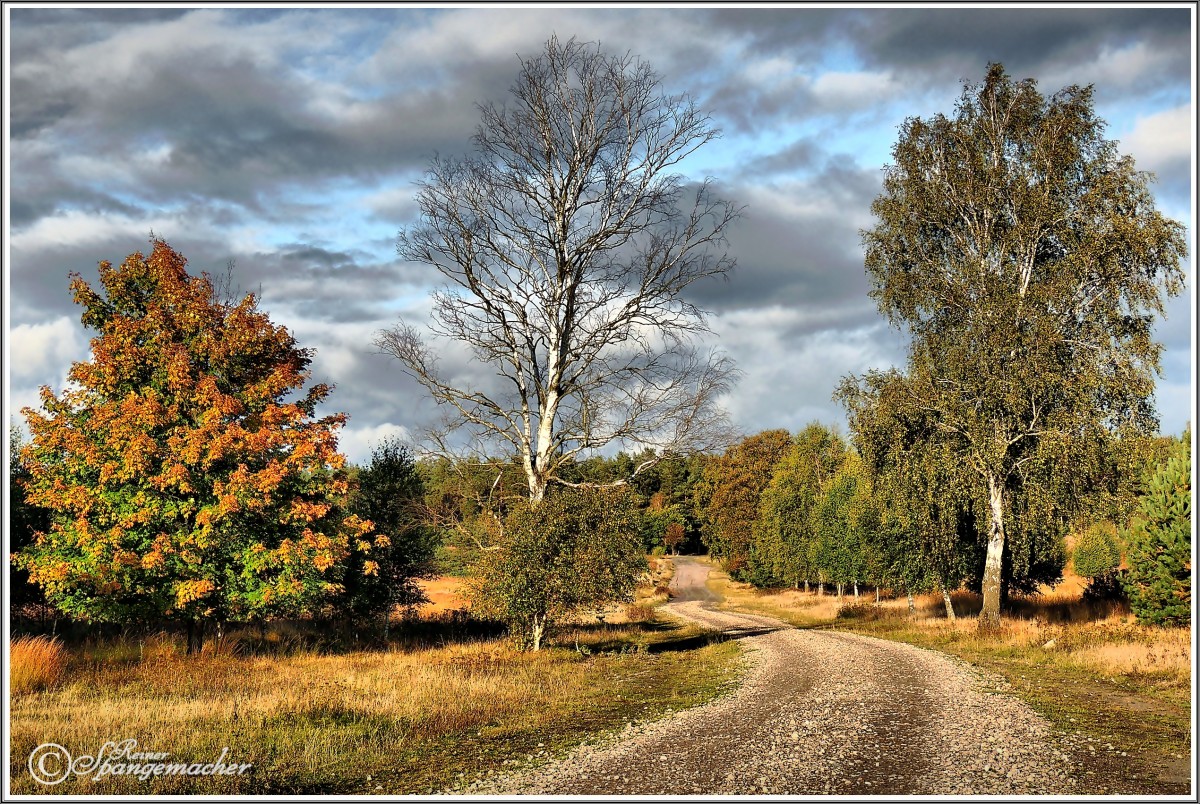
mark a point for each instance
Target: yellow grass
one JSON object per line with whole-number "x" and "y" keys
{"x": 35, "y": 663}
{"x": 445, "y": 594}
{"x": 409, "y": 719}
{"x": 1101, "y": 637}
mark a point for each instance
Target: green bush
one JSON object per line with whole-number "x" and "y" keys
{"x": 1159, "y": 542}
{"x": 576, "y": 549}
{"x": 1097, "y": 557}
{"x": 1096, "y": 552}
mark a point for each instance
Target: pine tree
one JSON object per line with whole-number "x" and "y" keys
{"x": 1159, "y": 541}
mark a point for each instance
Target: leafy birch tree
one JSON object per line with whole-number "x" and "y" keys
{"x": 576, "y": 549}
{"x": 784, "y": 528}
{"x": 1025, "y": 256}
{"x": 567, "y": 241}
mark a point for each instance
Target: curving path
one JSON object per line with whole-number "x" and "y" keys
{"x": 818, "y": 712}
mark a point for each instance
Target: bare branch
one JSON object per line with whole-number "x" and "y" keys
{"x": 566, "y": 243}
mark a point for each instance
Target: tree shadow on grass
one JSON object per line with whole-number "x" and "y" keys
{"x": 659, "y": 637}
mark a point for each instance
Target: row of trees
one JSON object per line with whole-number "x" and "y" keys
{"x": 779, "y": 510}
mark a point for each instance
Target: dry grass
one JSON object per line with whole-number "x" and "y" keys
{"x": 446, "y": 593}
{"x": 1085, "y": 665}
{"x": 1059, "y": 622}
{"x": 409, "y": 719}
{"x": 35, "y": 663}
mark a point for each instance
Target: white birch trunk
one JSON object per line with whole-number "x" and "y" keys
{"x": 949, "y": 606}
{"x": 989, "y": 617}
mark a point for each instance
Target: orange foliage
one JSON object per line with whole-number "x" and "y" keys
{"x": 184, "y": 456}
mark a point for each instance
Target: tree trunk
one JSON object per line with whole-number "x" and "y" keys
{"x": 989, "y": 617}
{"x": 876, "y": 595}
{"x": 820, "y": 588}
{"x": 912, "y": 604}
{"x": 840, "y": 588}
{"x": 195, "y": 637}
{"x": 856, "y": 590}
{"x": 537, "y": 486}
{"x": 949, "y": 605}
{"x": 538, "y": 631}
{"x": 806, "y": 586}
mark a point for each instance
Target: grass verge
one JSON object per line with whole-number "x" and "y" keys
{"x": 1117, "y": 694}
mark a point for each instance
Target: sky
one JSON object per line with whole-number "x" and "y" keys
{"x": 288, "y": 140}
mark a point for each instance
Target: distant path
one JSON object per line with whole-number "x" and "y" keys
{"x": 818, "y": 712}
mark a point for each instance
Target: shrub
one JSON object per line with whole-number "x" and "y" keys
{"x": 639, "y": 612}
{"x": 577, "y": 548}
{"x": 1096, "y": 552}
{"x": 674, "y": 537}
{"x": 858, "y": 611}
{"x": 1097, "y": 557}
{"x": 35, "y": 663}
{"x": 1159, "y": 542}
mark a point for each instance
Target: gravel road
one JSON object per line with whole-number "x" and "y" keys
{"x": 818, "y": 712}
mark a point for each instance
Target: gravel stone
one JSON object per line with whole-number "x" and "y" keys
{"x": 818, "y": 712}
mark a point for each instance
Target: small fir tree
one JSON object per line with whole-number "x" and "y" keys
{"x": 1159, "y": 542}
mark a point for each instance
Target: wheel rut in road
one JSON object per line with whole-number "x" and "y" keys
{"x": 817, "y": 712}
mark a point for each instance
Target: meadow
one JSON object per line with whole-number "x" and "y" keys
{"x": 431, "y": 709}
{"x": 445, "y": 700}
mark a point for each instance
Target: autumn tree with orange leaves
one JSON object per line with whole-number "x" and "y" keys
{"x": 187, "y": 474}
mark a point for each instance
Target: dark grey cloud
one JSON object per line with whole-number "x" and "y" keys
{"x": 933, "y": 39}
{"x": 287, "y": 141}
{"x": 49, "y": 29}
{"x": 797, "y": 244}
{"x": 215, "y": 119}
{"x": 332, "y": 286}
{"x": 801, "y": 155}
{"x": 936, "y": 48}
{"x": 1028, "y": 41}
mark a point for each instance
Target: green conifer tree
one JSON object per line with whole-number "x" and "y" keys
{"x": 1159, "y": 542}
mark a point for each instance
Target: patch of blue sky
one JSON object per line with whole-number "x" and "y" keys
{"x": 334, "y": 216}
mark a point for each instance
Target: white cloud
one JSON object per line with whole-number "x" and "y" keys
{"x": 41, "y": 353}
{"x": 789, "y": 381}
{"x": 845, "y": 90}
{"x": 356, "y": 442}
{"x": 1112, "y": 68}
{"x": 1161, "y": 140}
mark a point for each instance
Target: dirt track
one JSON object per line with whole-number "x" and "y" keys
{"x": 818, "y": 713}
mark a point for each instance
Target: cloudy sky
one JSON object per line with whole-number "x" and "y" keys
{"x": 288, "y": 140}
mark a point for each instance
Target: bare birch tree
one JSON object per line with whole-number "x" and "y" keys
{"x": 568, "y": 240}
